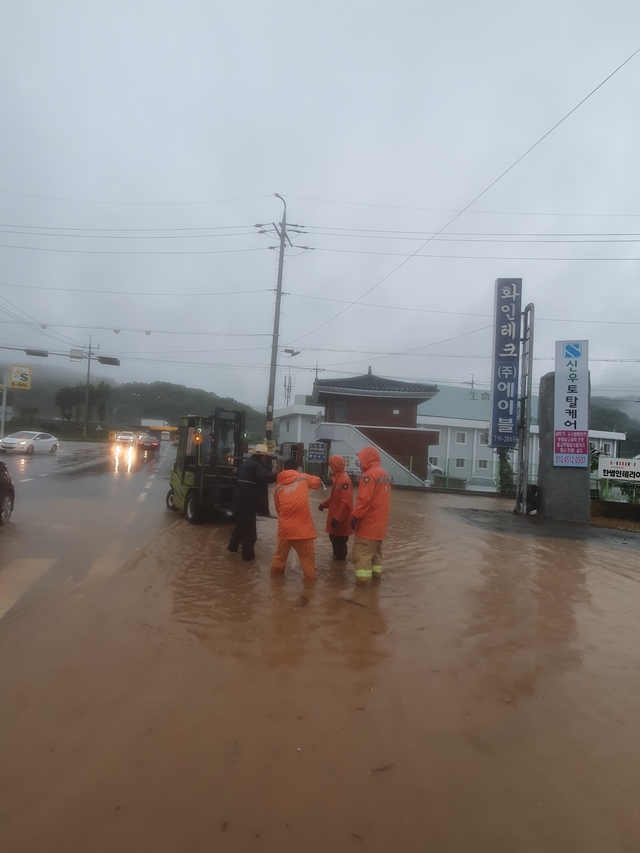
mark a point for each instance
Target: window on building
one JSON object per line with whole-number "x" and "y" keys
{"x": 288, "y": 425}
{"x": 460, "y": 462}
{"x": 606, "y": 448}
{"x": 341, "y": 412}
{"x": 461, "y": 438}
{"x": 396, "y": 411}
{"x": 483, "y": 439}
{"x": 433, "y": 460}
{"x": 483, "y": 464}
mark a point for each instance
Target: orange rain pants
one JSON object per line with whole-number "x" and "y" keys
{"x": 306, "y": 554}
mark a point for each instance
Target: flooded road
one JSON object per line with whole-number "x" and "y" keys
{"x": 483, "y": 697}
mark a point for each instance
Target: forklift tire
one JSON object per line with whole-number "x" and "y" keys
{"x": 171, "y": 501}
{"x": 192, "y": 511}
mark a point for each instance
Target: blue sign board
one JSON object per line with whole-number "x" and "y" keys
{"x": 505, "y": 371}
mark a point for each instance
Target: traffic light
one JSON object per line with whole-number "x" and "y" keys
{"x": 105, "y": 359}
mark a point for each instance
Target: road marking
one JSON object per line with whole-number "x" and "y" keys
{"x": 44, "y": 475}
{"x": 142, "y": 496}
{"x": 102, "y": 567}
{"x": 26, "y": 481}
{"x": 131, "y": 516}
{"x": 149, "y": 484}
{"x": 18, "y": 577}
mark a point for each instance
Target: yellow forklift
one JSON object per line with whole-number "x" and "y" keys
{"x": 203, "y": 476}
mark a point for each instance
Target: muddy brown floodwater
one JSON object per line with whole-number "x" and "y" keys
{"x": 484, "y": 697}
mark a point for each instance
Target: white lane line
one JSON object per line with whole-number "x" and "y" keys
{"x": 102, "y": 567}
{"x": 131, "y": 516}
{"x": 18, "y": 577}
{"x": 44, "y": 475}
{"x": 142, "y": 496}
{"x": 152, "y": 477}
{"x": 26, "y": 481}
{"x": 149, "y": 484}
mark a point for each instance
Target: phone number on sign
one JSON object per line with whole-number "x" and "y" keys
{"x": 578, "y": 461}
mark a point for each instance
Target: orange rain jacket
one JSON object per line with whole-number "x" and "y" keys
{"x": 374, "y": 497}
{"x": 291, "y": 498}
{"x": 340, "y": 501}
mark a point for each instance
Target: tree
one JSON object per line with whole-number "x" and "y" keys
{"x": 29, "y": 412}
{"x": 101, "y": 395}
{"x": 65, "y": 399}
{"x": 505, "y": 472}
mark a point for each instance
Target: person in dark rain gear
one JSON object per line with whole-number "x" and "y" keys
{"x": 339, "y": 505}
{"x": 370, "y": 517}
{"x": 250, "y": 499}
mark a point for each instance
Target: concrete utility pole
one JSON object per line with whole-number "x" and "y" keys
{"x": 282, "y": 233}
{"x": 85, "y": 431}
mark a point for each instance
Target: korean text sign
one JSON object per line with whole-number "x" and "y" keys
{"x": 503, "y": 429}
{"x": 624, "y": 470}
{"x": 571, "y": 405}
{"x": 317, "y": 452}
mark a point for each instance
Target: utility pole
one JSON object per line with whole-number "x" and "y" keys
{"x": 282, "y": 233}
{"x": 85, "y": 431}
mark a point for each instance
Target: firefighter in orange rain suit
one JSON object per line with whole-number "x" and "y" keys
{"x": 370, "y": 517}
{"x": 295, "y": 527}
{"x": 340, "y": 506}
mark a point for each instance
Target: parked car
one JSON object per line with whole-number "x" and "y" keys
{"x": 481, "y": 484}
{"x": 145, "y": 441}
{"x": 29, "y": 442}
{"x": 7, "y": 494}
{"x": 126, "y": 437}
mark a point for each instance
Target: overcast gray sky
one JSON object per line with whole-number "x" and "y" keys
{"x": 143, "y": 141}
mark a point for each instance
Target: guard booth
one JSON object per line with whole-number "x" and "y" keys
{"x": 293, "y": 450}
{"x": 204, "y": 474}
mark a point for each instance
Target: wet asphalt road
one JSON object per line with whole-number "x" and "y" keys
{"x": 79, "y": 513}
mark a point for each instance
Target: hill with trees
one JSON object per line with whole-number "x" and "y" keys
{"x": 58, "y": 394}
{"x": 605, "y": 418}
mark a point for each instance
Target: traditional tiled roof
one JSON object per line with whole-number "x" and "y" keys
{"x": 465, "y": 403}
{"x": 370, "y": 385}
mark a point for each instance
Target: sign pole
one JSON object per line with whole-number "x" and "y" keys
{"x": 3, "y": 411}
{"x": 524, "y": 425}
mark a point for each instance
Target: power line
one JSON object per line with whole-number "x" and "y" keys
{"x": 118, "y": 252}
{"x": 128, "y": 236}
{"x": 447, "y": 257}
{"x": 133, "y": 203}
{"x": 484, "y": 191}
{"x": 130, "y": 292}
{"x": 452, "y": 210}
{"x": 149, "y": 331}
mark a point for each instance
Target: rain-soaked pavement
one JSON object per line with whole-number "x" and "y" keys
{"x": 483, "y": 697}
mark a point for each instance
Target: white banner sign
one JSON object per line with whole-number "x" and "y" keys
{"x": 625, "y": 470}
{"x": 571, "y": 405}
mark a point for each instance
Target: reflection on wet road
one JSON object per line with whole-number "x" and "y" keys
{"x": 79, "y": 514}
{"x": 482, "y": 698}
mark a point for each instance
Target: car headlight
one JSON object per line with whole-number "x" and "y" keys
{"x": 22, "y": 442}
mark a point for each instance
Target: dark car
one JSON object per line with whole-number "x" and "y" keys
{"x": 146, "y": 441}
{"x": 7, "y": 494}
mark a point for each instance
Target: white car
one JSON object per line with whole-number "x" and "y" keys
{"x": 481, "y": 484}
{"x": 126, "y": 437}
{"x": 29, "y": 442}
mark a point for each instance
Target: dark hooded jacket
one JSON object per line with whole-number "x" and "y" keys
{"x": 251, "y": 494}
